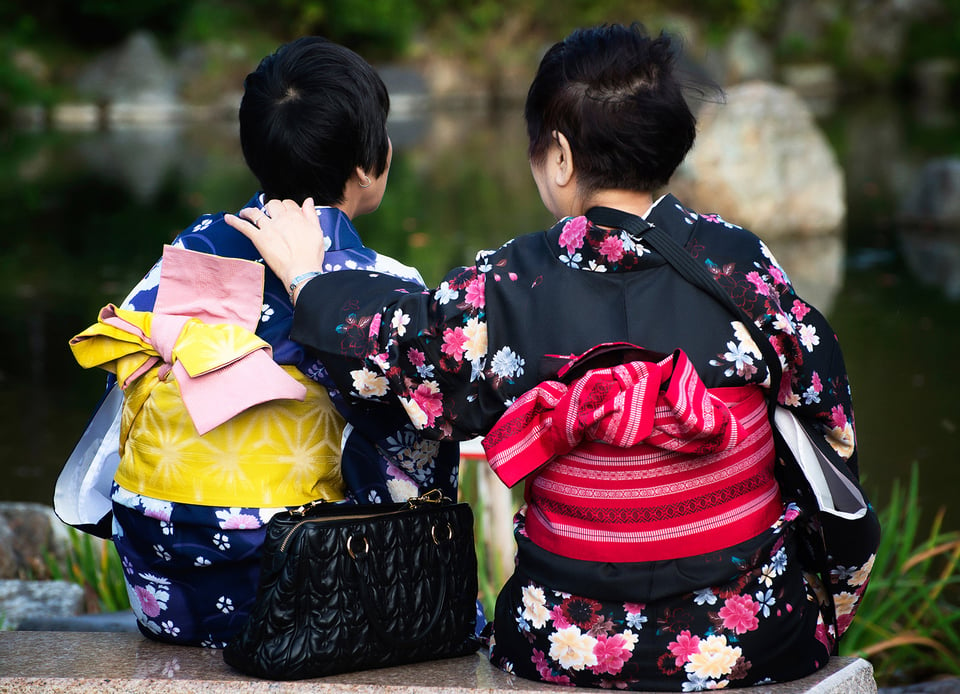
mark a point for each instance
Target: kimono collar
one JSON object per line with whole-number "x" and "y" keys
{"x": 343, "y": 246}
{"x": 669, "y": 214}
{"x": 585, "y": 246}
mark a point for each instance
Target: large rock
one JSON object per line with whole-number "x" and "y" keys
{"x": 138, "y": 159}
{"x": 934, "y": 258}
{"x": 136, "y": 72}
{"x": 929, "y": 225}
{"x": 762, "y": 162}
{"x": 29, "y": 535}
{"x": 874, "y": 33}
{"x": 878, "y": 32}
{"x": 933, "y": 200}
{"x": 24, "y": 600}
{"x": 746, "y": 57}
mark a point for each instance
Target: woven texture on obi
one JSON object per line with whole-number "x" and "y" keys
{"x": 639, "y": 462}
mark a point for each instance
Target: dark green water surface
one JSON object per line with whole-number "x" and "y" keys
{"x": 84, "y": 214}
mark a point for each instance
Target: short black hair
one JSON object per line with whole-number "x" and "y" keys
{"x": 612, "y": 91}
{"x": 311, "y": 113}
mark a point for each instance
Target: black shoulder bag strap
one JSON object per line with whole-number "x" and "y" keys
{"x": 694, "y": 272}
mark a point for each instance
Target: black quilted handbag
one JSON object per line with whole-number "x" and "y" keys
{"x": 346, "y": 588}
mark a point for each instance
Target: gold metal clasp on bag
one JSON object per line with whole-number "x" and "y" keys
{"x": 430, "y": 498}
{"x": 434, "y": 496}
{"x": 304, "y": 508}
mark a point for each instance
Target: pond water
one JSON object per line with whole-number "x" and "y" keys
{"x": 84, "y": 215}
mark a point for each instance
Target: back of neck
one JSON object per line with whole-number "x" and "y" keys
{"x": 630, "y": 201}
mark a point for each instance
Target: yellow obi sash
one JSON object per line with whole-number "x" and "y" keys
{"x": 277, "y": 453}
{"x": 208, "y": 417}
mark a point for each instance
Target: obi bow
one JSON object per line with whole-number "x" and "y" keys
{"x": 661, "y": 404}
{"x": 201, "y": 330}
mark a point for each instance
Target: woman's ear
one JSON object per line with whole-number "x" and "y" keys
{"x": 564, "y": 172}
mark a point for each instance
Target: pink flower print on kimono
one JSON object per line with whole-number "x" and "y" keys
{"x": 233, "y": 519}
{"x": 685, "y": 645}
{"x": 424, "y": 404}
{"x": 155, "y": 508}
{"x": 739, "y": 614}
{"x": 710, "y": 217}
{"x": 547, "y": 674}
{"x": 475, "y": 293}
{"x": 573, "y": 234}
{"x": 612, "y": 652}
{"x": 152, "y": 598}
{"x": 841, "y": 436}
{"x": 612, "y": 248}
{"x": 149, "y": 600}
{"x": 571, "y": 239}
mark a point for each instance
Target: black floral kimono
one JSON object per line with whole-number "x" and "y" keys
{"x": 459, "y": 355}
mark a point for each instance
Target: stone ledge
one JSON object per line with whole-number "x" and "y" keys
{"x": 105, "y": 663}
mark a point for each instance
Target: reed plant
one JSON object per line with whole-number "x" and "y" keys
{"x": 92, "y": 563}
{"x": 907, "y": 624}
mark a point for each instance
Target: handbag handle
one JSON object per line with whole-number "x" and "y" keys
{"x": 360, "y": 562}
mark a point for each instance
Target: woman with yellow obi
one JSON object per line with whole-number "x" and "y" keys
{"x": 225, "y": 420}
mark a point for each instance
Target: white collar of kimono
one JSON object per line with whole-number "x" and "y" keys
{"x": 261, "y": 201}
{"x": 650, "y": 209}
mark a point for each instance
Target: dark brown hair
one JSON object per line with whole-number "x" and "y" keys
{"x": 311, "y": 113}
{"x": 612, "y": 91}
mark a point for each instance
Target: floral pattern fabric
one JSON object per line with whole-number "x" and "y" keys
{"x": 384, "y": 457}
{"x": 754, "y": 617}
{"x": 192, "y": 568}
{"x": 456, "y": 357}
{"x": 191, "y": 571}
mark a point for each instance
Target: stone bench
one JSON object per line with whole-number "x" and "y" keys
{"x": 104, "y": 663}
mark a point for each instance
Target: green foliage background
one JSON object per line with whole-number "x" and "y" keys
{"x": 489, "y": 35}
{"x": 378, "y": 26}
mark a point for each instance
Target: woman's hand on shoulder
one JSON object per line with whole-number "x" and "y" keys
{"x": 288, "y": 236}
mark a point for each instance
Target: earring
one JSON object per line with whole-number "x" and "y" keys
{"x": 367, "y": 184}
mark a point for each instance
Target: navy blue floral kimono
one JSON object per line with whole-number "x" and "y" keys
{"x": 459, "y": 355}
{"x": 192, "y": 570}
{"x": 383, "y": 449}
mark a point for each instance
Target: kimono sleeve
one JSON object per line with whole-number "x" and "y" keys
{"x": 814, "y": 384}
{"x": 382, "y": 337}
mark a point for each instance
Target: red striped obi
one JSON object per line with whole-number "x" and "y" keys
{"x": 639, "y": 462}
